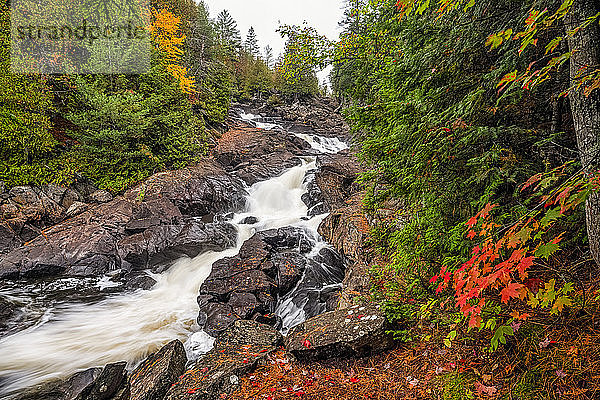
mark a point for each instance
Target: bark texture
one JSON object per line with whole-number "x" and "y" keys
{"x": 585, "y": 48}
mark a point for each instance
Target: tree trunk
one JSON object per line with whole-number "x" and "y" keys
{"x": 585, "y": 46}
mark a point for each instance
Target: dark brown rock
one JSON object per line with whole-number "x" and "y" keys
{"x": 154, "y": 376}
{"x": 109, "y": 383}
{"x": 235, "y": 353}
{"x": 160, "y": 212}
{"x": 336, "y": 178}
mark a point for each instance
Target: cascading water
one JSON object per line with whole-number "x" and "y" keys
{"x": 73, "y": 337}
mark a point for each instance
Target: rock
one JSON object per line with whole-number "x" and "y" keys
{"x": 346, "y": 228}
{"x": 336, "y": 178}
{"x": 154, "y": 376}
{"x": 249, "y": 221}
{"x": 203, "y": 190}
{"x": 73, "y": 388}
{"x": 235, "y": 353}
{"x": 164, "y": 243}
{"x": 100, "y": 196}
{"x": 7, "y": 311}
{"x": 162, "y": 213}
{"x": 109, "y": 383}
{"x": 75, "y": 209}
{"x": 139, "y": 280}
{"x": 254, "y": 154}
{"x": 353, "y": 332}
{"x": 246, "y": 286}
{"x": 69, "y": 197}
{"x": 313, "y": 198}
{"x": 9, "y": 239}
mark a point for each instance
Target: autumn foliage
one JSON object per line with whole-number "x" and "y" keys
{"x": 167, "y": 35}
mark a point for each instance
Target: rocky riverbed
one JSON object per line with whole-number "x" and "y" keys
{"x": 225, "y": 249}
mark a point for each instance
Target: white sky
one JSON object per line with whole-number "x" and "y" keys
{"x": 266, "y": 16}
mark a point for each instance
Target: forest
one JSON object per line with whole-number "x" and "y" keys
{"x": 470, "y": 206}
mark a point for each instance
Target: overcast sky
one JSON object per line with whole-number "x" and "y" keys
{"x": 266, "y": 15}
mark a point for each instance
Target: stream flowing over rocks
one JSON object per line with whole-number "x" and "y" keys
{"x": 190, "y": 278}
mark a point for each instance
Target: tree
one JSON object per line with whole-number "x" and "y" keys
{"x": 268, "y": 56}
{"x": 228, "y": 33}
{"x": 251, "y": 43}
{"x": 582, "y": 35}
{"x": 26, "y": 142}
{"x": 585, "y": 108}
{"x": 305, "y": 52}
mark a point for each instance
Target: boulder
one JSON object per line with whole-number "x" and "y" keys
{"x": 75, "y": 209}
{"x": 154, "y": 376}
{"x": 272, "y": 266}
{"x": 156, "y": 222}
{"x": 236, "y": 352}
{"x": 109, "y": 383}
{"x": 161, "y": 244}
{"x": 336, "y": 177}
{"x": 100, "y": 196}
{"x": 254, "y": 154}
{"x": 352, "y": 332}
{"x": 8, "y": 310}
{"x": 313, "y": 198}
{"x": 246, "y": 286}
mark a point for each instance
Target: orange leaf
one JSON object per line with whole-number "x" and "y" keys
{"x": 511, "y": 291}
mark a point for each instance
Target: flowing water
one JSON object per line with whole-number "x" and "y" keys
{"x": 71, "y": 337}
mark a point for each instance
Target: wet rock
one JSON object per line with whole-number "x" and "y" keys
{"x": 160, "y": 212}
{"x": 336, "y": 178}
{"x": 138, "y": 280}
{"x": 255, "y": 154}
{"x": 290, "y": 267}
{"x": 271, "y": 265}
{"x": 246, "y": 286}
{"x": 154, "y": 376}
{"x": 162, "y": 244}
{"x": 100, "y": 196}
{"x": 8, "y": 310}
{"x": 313, "y": 198}
{"x": 9, "y": 239}
{"x": 235, "y": 353}
{"x": 197, "y": 191}
{"x": 353, "y": 332}
{"x": 73, "y": 388}
{"x": 109, "y": 383}
{"x": 249, "y": 221}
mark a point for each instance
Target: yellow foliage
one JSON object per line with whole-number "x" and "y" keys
{"x": 166, "y": 34}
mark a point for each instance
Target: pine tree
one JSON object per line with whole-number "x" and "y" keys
{"x": 228, "y": 32}
{"x": 268, "y": 57}
{"x": 251, "y": 44}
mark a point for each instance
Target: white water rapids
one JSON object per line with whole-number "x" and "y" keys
{"x": 130, "y": 326}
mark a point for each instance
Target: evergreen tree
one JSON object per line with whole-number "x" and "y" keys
{"x": 228, "y": 32}
{"x": 251, "y": 44}
{"x": 268, "y": 56}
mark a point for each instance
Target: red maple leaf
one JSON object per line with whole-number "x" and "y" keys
{"x": 471, "y": 223}
{"x": 524, "y": 264}
{"x": 510, "y": 291}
